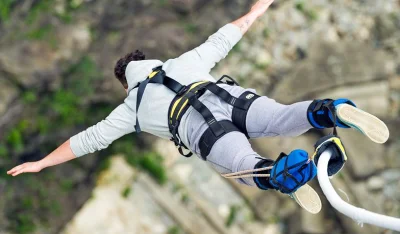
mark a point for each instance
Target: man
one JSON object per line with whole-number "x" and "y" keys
{"x": 179, "y": 100}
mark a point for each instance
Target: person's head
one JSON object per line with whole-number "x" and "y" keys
{"x": 123, "y": 62}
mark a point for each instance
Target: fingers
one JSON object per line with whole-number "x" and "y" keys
{"x": 16, "y": 170}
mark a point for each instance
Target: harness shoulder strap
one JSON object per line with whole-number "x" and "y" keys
{"x": 158, "y": 76}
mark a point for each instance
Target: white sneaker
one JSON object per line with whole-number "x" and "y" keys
{"x": 364, "y": 122}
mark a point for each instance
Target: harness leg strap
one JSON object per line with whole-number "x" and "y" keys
{"x": 239, "y": 116}
{"x": 208, "y": 139}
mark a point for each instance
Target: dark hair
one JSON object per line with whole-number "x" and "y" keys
{"x": 123, "y": 62}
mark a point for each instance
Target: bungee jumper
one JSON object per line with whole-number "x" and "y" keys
{"x": 179, "y": 100}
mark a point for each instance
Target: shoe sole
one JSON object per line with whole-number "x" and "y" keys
{"x": 366, "y": 123}
{"x": 308, "y": 199}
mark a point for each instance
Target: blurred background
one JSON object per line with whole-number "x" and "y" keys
{"x": 56, "y": 79}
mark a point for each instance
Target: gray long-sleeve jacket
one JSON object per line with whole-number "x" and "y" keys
{"x": 190, "y": 67}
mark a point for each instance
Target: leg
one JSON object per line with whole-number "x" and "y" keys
{"x": 233, "y": 153}
{"x": 267, "y": 118}
{"x": 343, "y": 113}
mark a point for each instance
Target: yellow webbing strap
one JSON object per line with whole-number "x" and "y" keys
{"x": 186, "y": 102}
{"x": 337, "y": 142}
{"x": 153, "y": 74}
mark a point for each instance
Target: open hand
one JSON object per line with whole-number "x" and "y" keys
{"x": 261, "y": 6}
{"x": 30, "y": 167}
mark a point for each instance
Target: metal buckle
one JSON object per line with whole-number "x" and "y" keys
{"x": 177, "y": 141}
{"x": 183, "y": 90}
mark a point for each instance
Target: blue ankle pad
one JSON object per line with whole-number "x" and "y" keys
{"x": 292, "y": 171}
{"x": 319, "y": 113}
{"x": 337, "y": 102}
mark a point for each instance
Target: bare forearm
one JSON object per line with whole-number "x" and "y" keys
{"x": 60, "y": 155}
{"x": 245, "y": 22}
{"x": 258, "y": 9}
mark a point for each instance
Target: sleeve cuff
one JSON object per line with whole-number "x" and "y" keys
{"x": 74, "y": 145}
{"x": 232, "y": 32}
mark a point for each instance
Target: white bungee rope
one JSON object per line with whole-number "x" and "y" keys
{"x": 358, "y": 214}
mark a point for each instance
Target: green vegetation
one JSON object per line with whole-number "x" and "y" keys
{"x": 151, "y": 163}
{"x": 113, "y": 37}
{"x": 29, "y": 97}
{"x": 5, "y": 9}
{"x": 65, "y": 103}
{"x": 41, "y": 33}
{"x": 44, "y": 7}
{"x": 309, "y": 13}
{"x": 27, "y": 202}
{"x": 67, "y": 185}
{"x": 266, "y": 33}
{"x": 37, "y": 9}
{"x": 94, "y": 33}
{"x": 232, "y": 215}
{"x": 126, "y": 192}
{"x": 70, "y": 7}
{"x": 237, "y": 47}
{"x": 174, "y": 230}
{"x": 40, "y": 26}
{"x": 54, "y": 111}
{"x": 3, "y": 151}
{"x": 82, "y": 76}
{"x": 162, "y": 3}
{"x": 177, "y": 188}
{"x": 15, "y": 140}
{"x": 300, "y": 6}
{"x": 274, "y": 219}
{"x": 23, "y": 223}
{"x": 104, "y": 165}
{"x": 185, "y": 198}
{"x": 34, "y": 205}
{"x": 261, "y": 66}
{"x": 191, "y": 28}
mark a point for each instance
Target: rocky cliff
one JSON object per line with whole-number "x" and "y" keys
{"x": 56, "y": 61}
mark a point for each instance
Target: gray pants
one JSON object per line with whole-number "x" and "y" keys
{"x": 266, "y": 118}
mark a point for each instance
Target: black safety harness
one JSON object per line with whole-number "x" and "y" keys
{"x": 188, "y": 95}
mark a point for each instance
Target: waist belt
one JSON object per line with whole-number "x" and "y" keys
{"x": 187, "y": 96}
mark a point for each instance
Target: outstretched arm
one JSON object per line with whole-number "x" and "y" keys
{"x": 258, "y": 9}
{"x": 95, "y": 138}
{"x": 220, "y": 43}
{"x": 60, "y": 155}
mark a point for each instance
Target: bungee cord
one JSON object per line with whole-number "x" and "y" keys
{"x": 359, "y": 215}
{"x": 247, "y": 173}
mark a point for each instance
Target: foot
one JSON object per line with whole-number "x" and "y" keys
{"x": 364, "y": 122}
{"x": 308, "y": 199}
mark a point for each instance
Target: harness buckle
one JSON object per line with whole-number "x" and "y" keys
{"x": 183, "y": 90}
{"x": 175, "y": 137}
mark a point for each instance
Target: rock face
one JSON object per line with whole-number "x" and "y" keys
{"x": 329, "y": 53}
{"x": 117, "y": 212}
{"x": 56, "y": 64}
{"x": 345, "y": 64}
